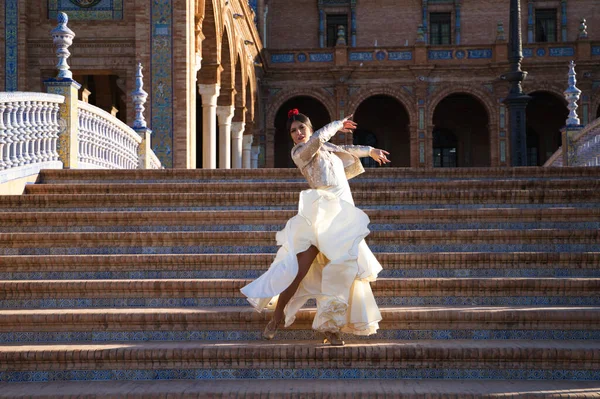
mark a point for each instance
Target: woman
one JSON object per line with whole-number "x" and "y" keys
{"x": 323, "y": 254}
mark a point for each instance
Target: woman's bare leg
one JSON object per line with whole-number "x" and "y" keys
{"x": 305, "y": 260}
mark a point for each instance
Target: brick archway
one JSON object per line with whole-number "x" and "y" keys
{"x": 488, "y": 102}
{"x": 404, "y": 99}
{"x": 486, "y": 99}
{"x": 318, "y": 94}
{"x": 552, "y": 88}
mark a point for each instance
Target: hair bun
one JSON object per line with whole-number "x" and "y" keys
{"x": 293, "y": 112}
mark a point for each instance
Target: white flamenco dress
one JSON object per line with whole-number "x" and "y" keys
{"x": 340, "y": 275}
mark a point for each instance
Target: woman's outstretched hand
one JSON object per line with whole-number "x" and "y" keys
{"x": 380, "y": 156}
{"x": 349, "y": 125}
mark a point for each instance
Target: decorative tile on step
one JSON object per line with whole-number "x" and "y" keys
{"x": 253, "y": 249}
{"x": 80, "y": 303}
{"x": 252, "y": 274}
{"x": 19, "y": 337}
{"x": 298, "y": 373}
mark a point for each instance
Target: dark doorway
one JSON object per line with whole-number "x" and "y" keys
{"x": 383, "y": 123}
{"x": 462, "y": 125}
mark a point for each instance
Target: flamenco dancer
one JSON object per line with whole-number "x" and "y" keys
{"x": 323, "y": 254}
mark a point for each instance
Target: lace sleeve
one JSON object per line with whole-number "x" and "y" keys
{"x": 361, "y": 151}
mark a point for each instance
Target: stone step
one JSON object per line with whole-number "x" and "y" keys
{"x": 200, "y": 175}
{"x": 271, "y": 220}
{"x": 275, "y": 186}
{"x": 404, "y": 265}
{"x": 229, "y": 288}
{"x": 222, "y": 201}
{"x": 301, "y": 388}
{"x": 21, "y": 326}
{"x": 259, "y": 241}
{"x": 60, "y": 294}
{"x": 490, "y": 359}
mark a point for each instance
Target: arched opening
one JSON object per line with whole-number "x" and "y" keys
{"x": 546, "y": 115}
{"x": 208, "y": 74}
{"x": 309, "y": 106}
{"x": 461, "y": 126}
{"x": 598, "y": 112}
{"x": 383, "y": 123}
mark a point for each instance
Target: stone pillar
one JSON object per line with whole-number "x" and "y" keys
{"x": 247, "y": 151}
{"x": 237, "y": 134}
{"x": 321, "y": 28}
{"x": 424, "y": 23}
{"x": 353, "y": 27}
{"x": 563, "y": 20}
{"x": 457, "y": 23}
{"x": 255, "y": 154}
{"x": 530, "y": 24}
{"x": 225, "y": 115}
{"x": 139, "y": 97}
{"x": 573, "y": 125}
{"x": 209, "y": 93}
{"x": 63, "y": 84}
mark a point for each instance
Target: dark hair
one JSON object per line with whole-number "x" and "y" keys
{"x": 300, "y": 118}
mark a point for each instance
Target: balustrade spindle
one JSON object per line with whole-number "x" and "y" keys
{"x": 3, "y": 136}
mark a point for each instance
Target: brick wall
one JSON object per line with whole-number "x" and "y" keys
{"x": 294, "y": 26}
{"x": 391, "y": 24}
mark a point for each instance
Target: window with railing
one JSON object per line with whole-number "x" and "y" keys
{"x": 334, "y": 21}
{"x": 545, "y": 25}
{"x": 440, "y": 28}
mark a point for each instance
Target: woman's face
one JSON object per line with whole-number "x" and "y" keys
{"x": 300, "y": 132}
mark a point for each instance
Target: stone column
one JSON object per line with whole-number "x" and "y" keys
{"x": 209, "y": 93}
{"x": 225, "y": 115}
{"x": 237, "y": 134}
{"x": 573, "y": 125}
{"x": 457, "y": 24}
{"x": 255, "y": 154}
{"x": 247, "y": 151}
{"x": 563, "y": 20}
{"x": 530, "y": 24}
{"x": 63, "y": 84}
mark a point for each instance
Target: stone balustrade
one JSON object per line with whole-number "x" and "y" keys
{"x": 33, "y": 130}
{"x": 29, "y": 131}
{"x": 585, "y": 148}
{"x": 104, "y": 141}
{"x": 154, "y": 161}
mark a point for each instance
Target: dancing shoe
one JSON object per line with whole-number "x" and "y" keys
{"x": 271, "y": 329}
{"x": 334, "y": 338}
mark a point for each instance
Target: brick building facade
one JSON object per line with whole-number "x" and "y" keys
{"x": 423, "y": 77}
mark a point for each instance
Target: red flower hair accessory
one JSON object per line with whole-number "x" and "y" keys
{"x": 293, "y": 112}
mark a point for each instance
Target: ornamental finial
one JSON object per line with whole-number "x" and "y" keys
{"x": 139, "y": 99}
{"x": 572, "y": 96}
{"x": 62, "y": 37}
{"x": 583, "y": 34}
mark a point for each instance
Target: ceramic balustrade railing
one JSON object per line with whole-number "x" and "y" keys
{"x": 104, "y": 141}
{"x": 586, "y": 145}
{"x": 154, "y": 161}
{"x": 29, "y": 130}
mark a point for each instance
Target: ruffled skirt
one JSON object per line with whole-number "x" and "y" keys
{"x": 340, "y": 275}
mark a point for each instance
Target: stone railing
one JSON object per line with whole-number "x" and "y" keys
{"x": 29, "y": 132}
{"x": 154, "y": 161}
{"x": 104, "y": 141}
{"x": 584, "y": 148}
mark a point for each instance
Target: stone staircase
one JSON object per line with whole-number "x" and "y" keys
{"x": 126, "y": 284}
